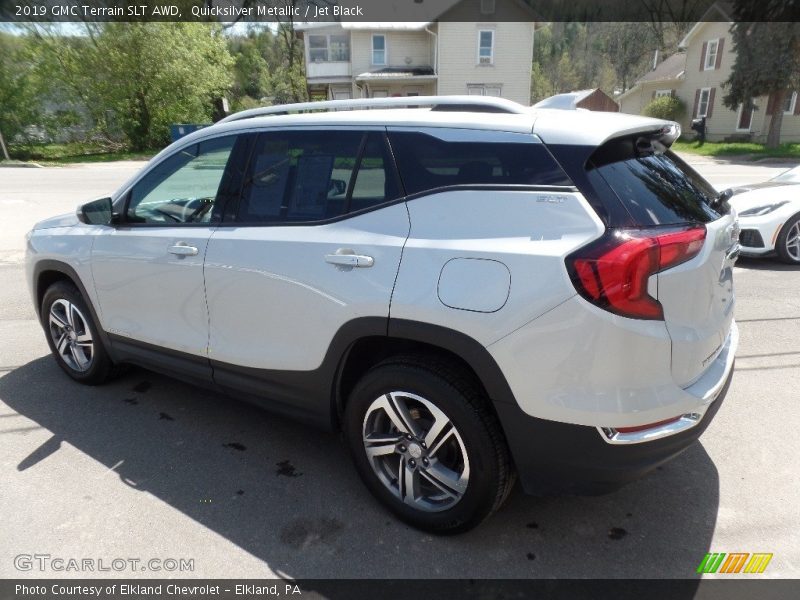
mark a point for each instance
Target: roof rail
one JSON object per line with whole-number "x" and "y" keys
{"x": 460, "y": 103}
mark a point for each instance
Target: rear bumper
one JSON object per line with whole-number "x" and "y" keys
{"x": 553, "y": 457}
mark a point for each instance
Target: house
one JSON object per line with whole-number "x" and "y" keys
{"x": 696, "y": 75}
{"x": 663, "y": 80}
{"x": 594, "y": 99}
{"x": 488, "y": 55}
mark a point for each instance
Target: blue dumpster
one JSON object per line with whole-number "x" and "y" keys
{"x": 178, "y": 130}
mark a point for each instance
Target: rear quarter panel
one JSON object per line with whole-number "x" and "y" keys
{"x": 529, "y": 232}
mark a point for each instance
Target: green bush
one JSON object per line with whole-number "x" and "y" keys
{"x": 666, "y": 107}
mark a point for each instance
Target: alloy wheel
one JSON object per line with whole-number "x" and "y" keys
{"x": 416, "y": 451}
{"x": 71, "y": 335}
{"x": 793, "y": 242}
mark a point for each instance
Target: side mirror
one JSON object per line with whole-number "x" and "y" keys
{"x": 97, "y": 212}
{"x": 337, "y": 187}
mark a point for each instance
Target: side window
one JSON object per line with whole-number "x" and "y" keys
{"x": 306, "y": 176}
{"x": 427, "y": 163}
{"x": 184, "y": 187}
{"x": 375, "y": 182}
{"x": 656, "y": 188}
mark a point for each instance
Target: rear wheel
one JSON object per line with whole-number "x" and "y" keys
{"x": 426, "y": 445}
{"x": 73, "y": 336}
{"x": 788, "y": 243}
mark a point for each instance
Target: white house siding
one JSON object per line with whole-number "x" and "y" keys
{"x": 635, "y": 101}
{"x": 513, "y": 52}
{"x": 723, "y": 123}
{"x": 790, "y": 128}
{"x": 403, "y": 49}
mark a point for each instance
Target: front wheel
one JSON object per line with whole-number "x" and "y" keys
{"x": 788, "y": 243}
{"x": 73, "y": 336}
{"x": 426, "y": 444}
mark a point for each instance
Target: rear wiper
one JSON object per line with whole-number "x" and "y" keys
{"x": 722, "y": 198}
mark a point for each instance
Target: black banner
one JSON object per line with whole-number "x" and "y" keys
{"x": 320, "y": 11}
{"x": 393, "y": 589}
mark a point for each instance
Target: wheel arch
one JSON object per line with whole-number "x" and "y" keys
{"x": 48, "y": 272}
{"x": 778, "y": 237}
{"x": 413, "y": 337}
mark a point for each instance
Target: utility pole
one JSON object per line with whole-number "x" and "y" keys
{"x": 3, "y": 147}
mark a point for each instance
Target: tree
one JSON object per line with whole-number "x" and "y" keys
{"x": 289, "y": 79}
{"x": 627, "y": 46}
{"x": 138, "y": 77}
{"x": 666, "y": 107}
{"x": 165, "y": 73}
{"x": 18, "y": 105}
{"x": 605, "y": 55}
{"x": 767, "y": 64}
{"x": 252, "y": 72}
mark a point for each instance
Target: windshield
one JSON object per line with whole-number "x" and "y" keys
{"x": 790, "y": 176}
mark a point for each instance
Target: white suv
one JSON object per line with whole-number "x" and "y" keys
{"x": 471, "y": 291}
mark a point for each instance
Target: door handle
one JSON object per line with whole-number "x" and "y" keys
{"x": 347, "y": 258}
{"x": 182, "y": 249}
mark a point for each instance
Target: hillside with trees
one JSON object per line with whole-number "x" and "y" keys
{"x": 609, "y": 56}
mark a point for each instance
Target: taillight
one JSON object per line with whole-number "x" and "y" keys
{"x": 612, "y": 272}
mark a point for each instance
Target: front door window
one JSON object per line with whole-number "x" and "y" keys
{"x": 183, "y": 188}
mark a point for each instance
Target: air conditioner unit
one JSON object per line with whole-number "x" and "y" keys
{"x": 485, "y": 60}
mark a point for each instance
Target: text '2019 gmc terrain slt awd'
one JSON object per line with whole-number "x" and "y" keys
{"x": 471, "y": 291}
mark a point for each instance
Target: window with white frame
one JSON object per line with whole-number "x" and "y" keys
{"x": 486, "y": 47}
{"x": 378, "y": 49}
{"x": 790, "y": 103}
{"x": 329, "y": 48}
{"x": 484, "y": 89}
{"x": 712, "y": 46}
{"x": 661, "y": 93}
{"x": 487, "y": 7}
{"x": 702, "y": 102}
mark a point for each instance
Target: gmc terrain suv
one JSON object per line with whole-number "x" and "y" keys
{"x": 471, "y": 290}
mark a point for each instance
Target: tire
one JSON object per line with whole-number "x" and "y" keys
{"x": 462, "y": 477}
{"x": 73, "y": 336}
{"x": 788, "y": 243}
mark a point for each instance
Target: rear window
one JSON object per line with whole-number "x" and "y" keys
{"x": 655, "y": 188}
{"x": 426, "y": 163}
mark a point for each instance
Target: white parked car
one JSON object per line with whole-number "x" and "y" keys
{"x": 472, "y": 292}
{"x": 769, "y": 216}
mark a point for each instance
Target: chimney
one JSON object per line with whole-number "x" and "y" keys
{"x": 655, "y": 59}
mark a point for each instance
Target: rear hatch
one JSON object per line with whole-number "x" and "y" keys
{"x": 662, "y": 194}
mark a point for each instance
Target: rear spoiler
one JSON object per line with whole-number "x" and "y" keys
{"x": 658, "y": 141}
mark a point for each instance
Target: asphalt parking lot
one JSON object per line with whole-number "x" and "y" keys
{"x": 150, "y": 468}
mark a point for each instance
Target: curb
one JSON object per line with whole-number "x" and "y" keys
{"x": 20, "y": 165}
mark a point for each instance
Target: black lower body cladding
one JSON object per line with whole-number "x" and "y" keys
{"x": 554, "y": 458}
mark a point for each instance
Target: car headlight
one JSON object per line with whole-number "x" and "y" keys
{"x": 762, "y": 210}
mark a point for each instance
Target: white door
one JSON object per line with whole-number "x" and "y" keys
{"x": 316, "y": 243}
{"x": 148, "y": 271}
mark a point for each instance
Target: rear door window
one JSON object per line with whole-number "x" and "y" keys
{"x": 656, "y": 188}
{"x": 307, "y": 176}
{"x": 427, "y": 162}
